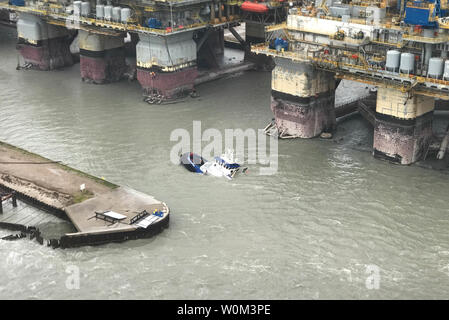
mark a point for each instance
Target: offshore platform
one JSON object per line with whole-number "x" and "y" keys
{"x": 398, "y": 46}
{"x": 170, "y": 38}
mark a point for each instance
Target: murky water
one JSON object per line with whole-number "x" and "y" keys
{"x": 313, "y": 230}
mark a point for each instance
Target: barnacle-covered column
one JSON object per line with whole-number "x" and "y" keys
{"x": 102, "y": 57}
{"x": 43, "y": 46}
{"x": 403, "y": 126}
{"x": 302, "y": 99}
{"x": 166, "y": 64}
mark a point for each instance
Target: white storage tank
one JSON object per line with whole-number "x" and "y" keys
{"x": 393, "y": 60}
{"x": 338, "y": 11}
{"x": 85, "y": 8}
{"x": 99, "y": 11}
{"x": 407, "y": 63}
{"x": 108, "y": 12}
{"x": 116, "y": 14}
{"x": 435, "y": 68}
{"x": 125, "y": 14}
{"x": 77, "y": 7}
{"x": 378, "y": 14}
{"x": 446, "y": 70}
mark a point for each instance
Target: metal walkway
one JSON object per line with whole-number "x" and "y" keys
{"x": 26, "y": 215}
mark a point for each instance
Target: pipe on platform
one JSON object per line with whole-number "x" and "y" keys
{"x": 427, "y": 54}
{"x": 210, "y": 76}
{"x": 203, "y": 39}
{"x": 443, "y": 146}
{"x": 220, "y": 12}
{"x": 212, "y": 11}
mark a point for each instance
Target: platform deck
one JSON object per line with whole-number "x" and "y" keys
{"x": 122, "y": 200}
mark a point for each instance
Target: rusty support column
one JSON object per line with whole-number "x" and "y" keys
{"x": 43, "y": 46}
{"x": 403, "y": 126}
{"x": 302, "y": 99}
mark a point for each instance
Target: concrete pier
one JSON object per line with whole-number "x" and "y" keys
{"x": 41, "y": 45}
{"x": 302, "y": 99}
{"x": 102, "y": 58}
{"x": 403, "y": 126}
{"x": 56, "y": 188}
{"x": 166, "y": 64}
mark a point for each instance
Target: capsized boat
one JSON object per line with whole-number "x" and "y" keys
{"x": 223, "y": 166}
{"x": 192, "y": 162}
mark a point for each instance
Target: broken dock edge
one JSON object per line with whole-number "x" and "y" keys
{"x": 94, "y": 217}
{"x": 78, "y": 239}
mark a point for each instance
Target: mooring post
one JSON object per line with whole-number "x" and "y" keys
{"x": 14, "y": 199}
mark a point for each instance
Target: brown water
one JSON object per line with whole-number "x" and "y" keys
{"x": 309, "y": 231}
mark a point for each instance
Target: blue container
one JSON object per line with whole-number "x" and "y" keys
{"x": 280, "y": 44}
{"x": 154, "y": 23}
{"x": 18, "y": 3}
{"x": 419, "y": 16}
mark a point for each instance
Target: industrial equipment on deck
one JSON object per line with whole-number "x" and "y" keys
{"x": 396, "y": 43}
{"x": 160, "y": 17}
{"x": 400, "y": 46}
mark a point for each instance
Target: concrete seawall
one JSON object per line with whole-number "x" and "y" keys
{"x": 56, "y": 188}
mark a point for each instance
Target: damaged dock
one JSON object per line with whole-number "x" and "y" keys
{"x": 100, "y": 211}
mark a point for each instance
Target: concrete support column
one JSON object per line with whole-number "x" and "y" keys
{"x": 212, "y": 50}
{"x": 302, "y": 99}
{"x": 166, "y": 64}
{"x": 102, "y": 58}
{"x": 403, "y": 127}
{"x": 43, "y": 46}
{"x": 254, "y": 32}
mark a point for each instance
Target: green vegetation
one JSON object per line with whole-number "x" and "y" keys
{"x": 81, "y": 196}
{"x": 96, "y": 179}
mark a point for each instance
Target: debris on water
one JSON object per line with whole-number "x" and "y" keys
{"x": 13, "y": 237}
{"x": 326, "y": 135}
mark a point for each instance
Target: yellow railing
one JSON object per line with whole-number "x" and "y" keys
{"x": 432, "y": 80}
{"x": 414, "y": 37}
{"x": 60, "y": 18}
